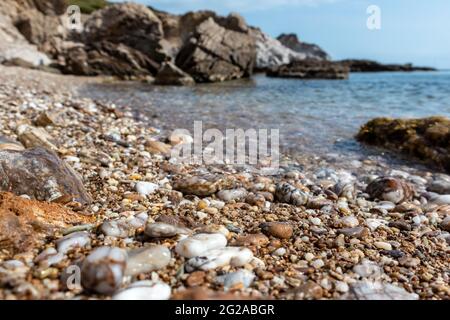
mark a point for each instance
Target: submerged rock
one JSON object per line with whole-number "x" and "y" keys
{"x": 427, "y": 139}
{"x": 40, "y": 174}
{"x": 358, "y": 65}
{"x": 310, "y": 69}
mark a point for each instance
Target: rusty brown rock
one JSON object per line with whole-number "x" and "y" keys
{"x": 24, "y": 224}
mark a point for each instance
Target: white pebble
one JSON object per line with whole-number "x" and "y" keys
{"x": 164, "y": 230}
{"x": 147, "y": 259}
{"x": 317, "y": 264}
{"x": 350, "y": 221}
{"x": 74, "y": 240}
{"x": 198, "y": 244}
{"x": 342, "y": 287}
{"x": 315, "y": 221}
{"x": 383, "y": 245}
{"x": 144, "y": 290}
{"x": 234, "y": 256}
{"x": 145, "y": 188}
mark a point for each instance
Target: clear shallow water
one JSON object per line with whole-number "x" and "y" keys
{"x": 313, "y": 116}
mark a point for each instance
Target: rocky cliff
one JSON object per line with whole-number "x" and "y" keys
{"x": 309, "y": 50}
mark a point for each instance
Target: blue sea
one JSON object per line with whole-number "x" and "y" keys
{"x": 313, "y": 116}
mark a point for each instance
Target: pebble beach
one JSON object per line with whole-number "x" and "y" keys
{"x": 144, "y": 227}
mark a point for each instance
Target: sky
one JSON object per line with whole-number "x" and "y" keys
{"x": 415, "y": 31}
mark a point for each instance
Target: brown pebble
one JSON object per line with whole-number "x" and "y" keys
{"x": 401, "y": 225}
{"x": 358, "y": 232}
{"x": 308, "y": 291}
{"x": 196, "y": 278}
{"x": 280, "y": 230}
{"x": 257, "y": 239}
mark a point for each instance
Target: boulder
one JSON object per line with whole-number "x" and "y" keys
{"x": 310, "y": 69}
{"x": 170, "y": 74}
{"x": 105, "y": 58}
{"x": 25, "y": 224}
{"x": 215, "y": 53}
{"x": 272, "y": 53}
{"x": 40, "y": 174}
{"x": 311, "y": 51}
{"x": 426, "y": 139}
{"x": 132, "y": 25}
{"x": 13, "y": 45}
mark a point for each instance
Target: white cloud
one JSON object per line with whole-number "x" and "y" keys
{"x": 230, "y": 5}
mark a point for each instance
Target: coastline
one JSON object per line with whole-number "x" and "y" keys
{"x": 313, "y": 232}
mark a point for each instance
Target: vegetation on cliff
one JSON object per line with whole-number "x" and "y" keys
{"x": 88, "y": 6}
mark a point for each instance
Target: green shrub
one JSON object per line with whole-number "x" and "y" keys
{"x": 88, "y": 6}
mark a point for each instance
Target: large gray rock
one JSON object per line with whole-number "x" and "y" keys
{"x": 215, "y": 53}
{"x": 40, "y": 174}
{"x": 272, "y": 53}
{"x": 13, "y": 45}
{"x": 129, "y": 24}
{"x": 311, "y": 51}
{"x": 105, "y": 58}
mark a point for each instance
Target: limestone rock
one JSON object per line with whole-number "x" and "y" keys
{"x": 215, "y": 53}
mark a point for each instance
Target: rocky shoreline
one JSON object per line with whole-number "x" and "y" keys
{"x": 134, "y": 42}
{"x": 152, "y": 229}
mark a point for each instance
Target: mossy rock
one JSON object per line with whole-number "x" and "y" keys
{"x": 427, "y": 139}
{"x": 88, "y": 6}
